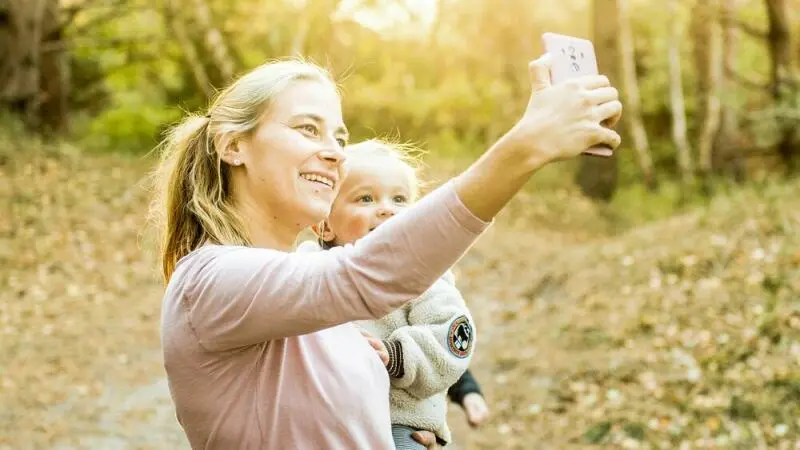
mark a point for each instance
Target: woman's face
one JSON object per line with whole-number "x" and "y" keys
{"x": 291, "y": 165}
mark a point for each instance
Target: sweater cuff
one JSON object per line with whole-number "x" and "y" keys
{"x": 462, "y": 214}
{"x": 396, "y": 365}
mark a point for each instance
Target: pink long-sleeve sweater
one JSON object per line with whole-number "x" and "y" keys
{"x": 258, "y": 347}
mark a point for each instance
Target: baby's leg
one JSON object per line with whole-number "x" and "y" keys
{"x": 403, "y": 440}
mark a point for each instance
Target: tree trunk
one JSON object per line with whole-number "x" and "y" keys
{"x": 596, "y": 176}
{"x": 630, "y": 89}
{"x": 700, "y": 26}
{"x": 20, "y": 41}
{"x": 711, "y": 120}
{"x": 55, "y": 71}
{"x": 782, "y": 85}
{"x": 214, "y": 42}
{"x": 676, "y": 97}
{"x": 188, "y": 50}
{"x": 727, "y": 144}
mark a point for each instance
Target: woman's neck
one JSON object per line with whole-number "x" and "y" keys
{"x": 265, "y": 228}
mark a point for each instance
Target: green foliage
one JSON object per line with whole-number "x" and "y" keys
{"x": 454, "y": 86}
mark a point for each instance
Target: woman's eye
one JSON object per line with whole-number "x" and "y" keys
{"x": 365, "y": 199}
{"x": 342, "y": 142}
{"x": 308, "y": 128}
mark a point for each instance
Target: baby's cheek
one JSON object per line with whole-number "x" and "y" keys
{"x": 358, "y": 226}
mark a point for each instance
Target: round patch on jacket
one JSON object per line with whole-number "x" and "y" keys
{"x": 459, "y": 338}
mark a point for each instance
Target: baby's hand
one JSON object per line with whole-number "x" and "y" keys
{"x": 379, "y": 347}
{"x": 475, "y": 406}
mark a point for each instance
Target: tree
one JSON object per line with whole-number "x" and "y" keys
{"x": 630, "y": 90}
{"x": 728, "y": 136}
{"x": 34, "y": 68}
{"x": 710, "y": 93}
{"x": 188, "y": 50}
{"x": 214, "y": 43}
{"x": 679, "y": 135}
{"x": 597, "y": 176}
{"x": 782, "y": 84}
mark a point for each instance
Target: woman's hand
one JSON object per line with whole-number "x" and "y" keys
{"x": 476, "y": 409}
{"x": 562, "y": 121}
{"x": 378, "y": 346}
{"x": 426, "y": 438}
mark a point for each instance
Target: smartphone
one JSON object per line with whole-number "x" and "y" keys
{"x": 573, "y": 57}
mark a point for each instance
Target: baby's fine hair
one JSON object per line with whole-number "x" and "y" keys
{"x": 406, "y": 154}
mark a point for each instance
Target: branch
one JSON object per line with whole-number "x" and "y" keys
{"x": 62, "y": 45}
{"x": 111, "y": 14}
{"x": 140, "y": 59}
{"x": 752, "y": 152}
{"x": 728, "y": 20}
{"x": 116, "y": 8}
{"x": 731, "y": 73}
{"x": 788, "y": 114}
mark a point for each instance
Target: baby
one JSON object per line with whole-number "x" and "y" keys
{"x": 427, "y": 344}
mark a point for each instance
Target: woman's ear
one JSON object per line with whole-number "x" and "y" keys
{"x": 234, "y": 151}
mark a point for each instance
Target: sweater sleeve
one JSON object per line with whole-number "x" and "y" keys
{"x": 238, "y": 296}
{"x": 467, "y": 384}
{"x": 436, "y": 347}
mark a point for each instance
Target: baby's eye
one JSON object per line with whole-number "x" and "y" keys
{"x": 400, "y": 199}
{"x": 309, "y": 128}
{"x": 366, "y": 198}
{"x": 342, "y": 142}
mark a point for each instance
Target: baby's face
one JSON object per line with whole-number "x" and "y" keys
{"x": 374, "y": 190}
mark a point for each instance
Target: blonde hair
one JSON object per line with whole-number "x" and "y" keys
{"x": 192, "y": 204}
{"x": 405, "y": 153}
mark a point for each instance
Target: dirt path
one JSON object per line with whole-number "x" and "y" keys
{"x": 683, "y": 334}
{"x": 79, "y": 302}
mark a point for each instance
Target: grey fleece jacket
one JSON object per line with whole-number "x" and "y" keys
{"x": 430, "y": 342}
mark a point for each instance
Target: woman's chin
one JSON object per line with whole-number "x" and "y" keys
{"x": 316, "y": 211}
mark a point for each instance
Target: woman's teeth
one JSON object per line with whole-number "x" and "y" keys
{"x": 318, "y": 178}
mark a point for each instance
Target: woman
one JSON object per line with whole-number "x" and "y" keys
{"x": 258, "y": 347}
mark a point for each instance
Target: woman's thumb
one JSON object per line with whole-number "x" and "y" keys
{"x": 539, "y": 70}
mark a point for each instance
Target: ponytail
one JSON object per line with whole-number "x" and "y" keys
{"x": 192, "y": 195}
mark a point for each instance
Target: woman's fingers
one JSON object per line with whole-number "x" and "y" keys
{"x": 426, "y": 438}
{"x": 378, "y": 346}
{"x": 603, "y": 135}
{"x": 608, "y": 113}
{"x": 593, "y": 81}
{"x": 539, "y": 71}
{"x": 603, "y": 95}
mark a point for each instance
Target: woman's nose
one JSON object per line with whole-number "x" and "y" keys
{"x": 334, "y": 156}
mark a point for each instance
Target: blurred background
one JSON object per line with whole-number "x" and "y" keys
{"x": 649, "y": 300}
